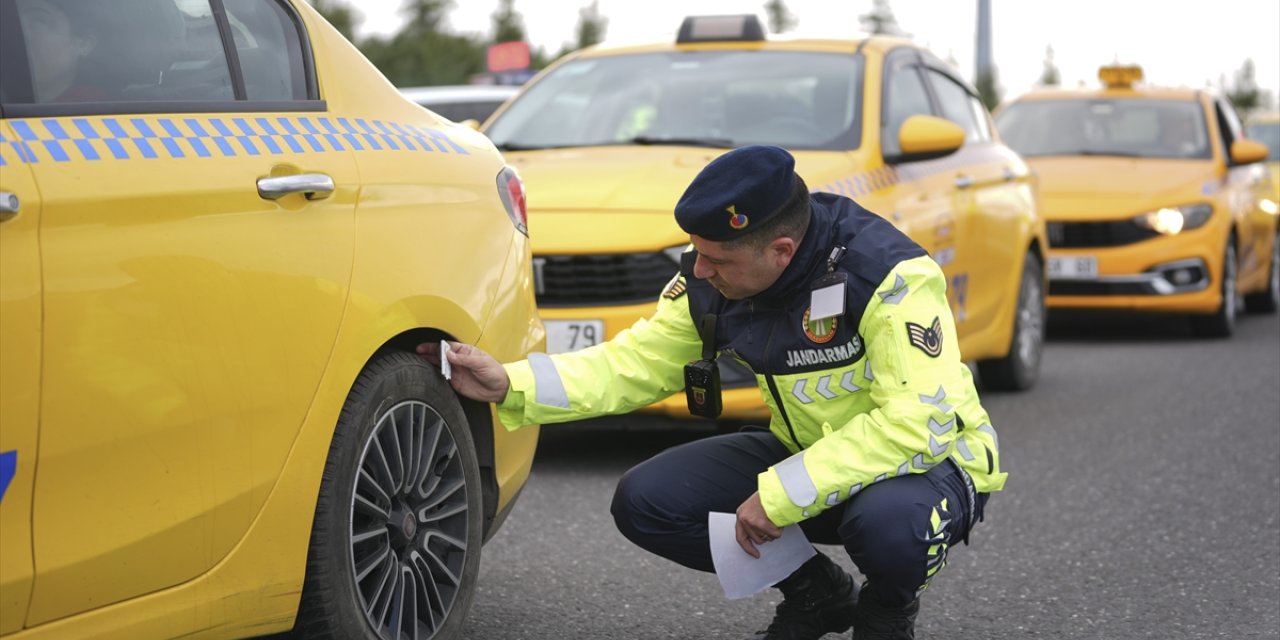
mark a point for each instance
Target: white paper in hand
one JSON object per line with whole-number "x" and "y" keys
{"x": 445, "y": 369}
{"x": 740, "y": 574}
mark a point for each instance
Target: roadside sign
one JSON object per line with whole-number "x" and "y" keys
{"x": 508, "y": 56}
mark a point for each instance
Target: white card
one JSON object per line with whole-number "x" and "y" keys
{"x": 445, "y": 369}
{"x": 827, "y": 302}
{"x": 741, "y": 575}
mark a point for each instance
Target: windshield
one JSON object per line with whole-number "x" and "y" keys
{"x": 1267, "y": 133}
{"x": 1133, "y": 128}
{"x": 725, "y": 99}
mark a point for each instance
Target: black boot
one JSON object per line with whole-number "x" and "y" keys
{"x": 875, "y": 620}
{"x": 819, "y": 598}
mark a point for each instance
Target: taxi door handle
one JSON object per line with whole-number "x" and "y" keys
{"x": 1009, "y": 175}
{"x": 9, "y": 205}
{"x": 312, "y": 185}
{"x": 963, "y": 182}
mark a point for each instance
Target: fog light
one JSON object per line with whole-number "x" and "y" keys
{"x": 1182, "y": 277}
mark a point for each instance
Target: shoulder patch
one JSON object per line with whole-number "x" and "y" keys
{"x": 675, "y": 289}
{"x": 927, "y": 339}
{"x": 896, "y": 293}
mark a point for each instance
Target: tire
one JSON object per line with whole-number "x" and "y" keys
{"x": 395, "y": 547}
{"x": 1267, "y": 300}
{"x": 1222, "y": 323}
{"x": 1020, "y": 369}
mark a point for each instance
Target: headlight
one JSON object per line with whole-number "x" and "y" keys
{"x": 675, "y": 252}
{"x": 1172, "y": 220}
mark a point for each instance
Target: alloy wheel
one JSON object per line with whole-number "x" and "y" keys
{"x": 409, "y": 523}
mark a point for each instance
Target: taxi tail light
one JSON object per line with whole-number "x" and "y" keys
{"x": 511, "y": 191}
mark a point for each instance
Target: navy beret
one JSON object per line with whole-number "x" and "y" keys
{"x": 737, "y": 192}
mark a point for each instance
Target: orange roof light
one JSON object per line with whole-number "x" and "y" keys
{"x": 1120, "y": 76}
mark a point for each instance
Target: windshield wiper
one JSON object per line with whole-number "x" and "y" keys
{"x": 1118, "y": 154}
{"x": 719, "y": 143}
{"x": 511, "y": 146}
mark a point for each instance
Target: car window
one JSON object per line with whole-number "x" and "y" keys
{"x": 268, "y": 50}
{"x": 905, "y": 96}
{"x": 721, "y": 98}
{"x": 956, "y": 103}
{"x": 1146, "y": 128}
{"x": 1267, "y": 133}
{"x": 63, "y": 53}
{"x": 981, "y": 117}
{"x": 91, "y": 51}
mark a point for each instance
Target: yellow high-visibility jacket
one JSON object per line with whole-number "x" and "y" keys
{"x": 877, "y": 393}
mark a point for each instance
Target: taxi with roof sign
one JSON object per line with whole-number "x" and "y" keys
{"x": 1155, "y": 199}
{"x": 222, "y": 236}
{"x": 609, "y": 137}
{"x": 1265, "y": 128}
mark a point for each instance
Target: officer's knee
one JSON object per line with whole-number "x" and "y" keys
{"x": 627, "y": 504}
{"x": 884, "y": 531}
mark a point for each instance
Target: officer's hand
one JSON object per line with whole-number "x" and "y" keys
{"x": 754, "y": 526}
{"x": 475, "y": 374}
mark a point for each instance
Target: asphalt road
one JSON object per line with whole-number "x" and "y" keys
{"x": 1143, "y": 502}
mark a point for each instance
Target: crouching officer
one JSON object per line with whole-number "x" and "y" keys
{"x": 877, "y": 441}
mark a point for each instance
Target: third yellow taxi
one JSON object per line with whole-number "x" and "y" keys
{"x": 609, "y": 137}
{"x": 1155, "y": 200}
{"x": 1266, "y": 129}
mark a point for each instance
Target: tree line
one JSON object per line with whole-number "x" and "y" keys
{"x": 423, "y": 53}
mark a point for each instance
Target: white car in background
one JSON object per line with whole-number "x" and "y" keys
{"x": 463, "y": 101}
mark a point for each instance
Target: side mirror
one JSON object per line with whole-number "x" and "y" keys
{"x": 926, "y": 138}
{"x": 1246, "y": 151}
{"x": 471, "y": 122}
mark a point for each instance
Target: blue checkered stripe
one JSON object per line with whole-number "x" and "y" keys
{"x": 860, "y": 184}
{"x": 130, "y": 138}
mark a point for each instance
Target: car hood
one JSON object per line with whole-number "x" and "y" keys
{"x": 1082, "y": 188}
{"x": 621, "y": 199}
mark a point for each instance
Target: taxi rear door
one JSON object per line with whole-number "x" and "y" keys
{"x": 19, "y": 374}
{"x": 196, "y": 247}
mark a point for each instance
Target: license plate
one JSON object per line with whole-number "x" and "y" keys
{"x": 571, "y": 335}
{"x": 1073, "y": 267}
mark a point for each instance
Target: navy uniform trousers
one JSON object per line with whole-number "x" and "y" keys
{"x": 888, "y": 528}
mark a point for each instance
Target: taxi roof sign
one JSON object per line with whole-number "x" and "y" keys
{"x": 737, "y": 28}
{"x": 1120, "y": 76}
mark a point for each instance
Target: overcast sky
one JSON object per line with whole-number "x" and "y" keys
{"x": 1177, "y": 43}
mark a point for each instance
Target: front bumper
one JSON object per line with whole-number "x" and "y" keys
{"x": 1171, "y": 278}
{"x": 1175, "y": 279}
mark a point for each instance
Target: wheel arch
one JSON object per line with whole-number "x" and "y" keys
{"x": 479, "y": 417}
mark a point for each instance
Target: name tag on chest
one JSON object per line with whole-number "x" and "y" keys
{"x": 826, "y": 300}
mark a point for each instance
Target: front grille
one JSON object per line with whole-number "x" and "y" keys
{"x": 1084, "y": 235}
{"x": 603, "y": 279}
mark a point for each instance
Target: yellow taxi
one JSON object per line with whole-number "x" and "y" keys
{"x": 609, "y": 137}
{"x": 1155, "y": 200}
{"x": 1265, "y": 128}
{"x": 222, "y": 235}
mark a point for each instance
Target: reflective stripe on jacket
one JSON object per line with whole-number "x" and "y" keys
{"x": 878, "y": 392}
